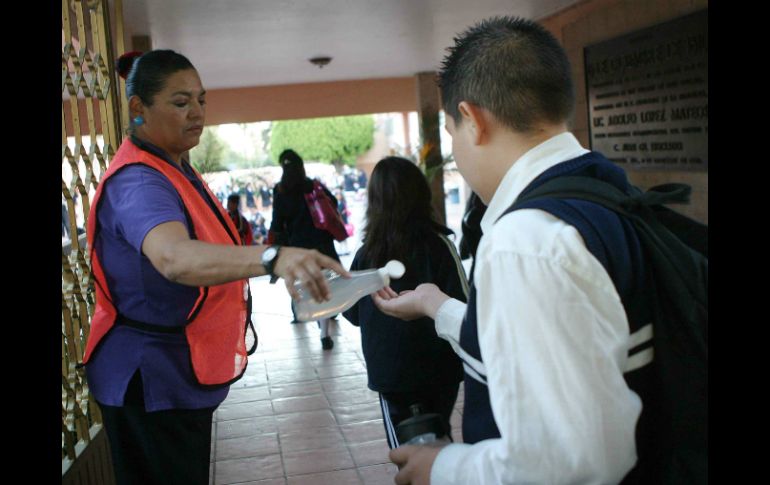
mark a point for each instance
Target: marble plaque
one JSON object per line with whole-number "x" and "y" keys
{"x": 648, "y": 96}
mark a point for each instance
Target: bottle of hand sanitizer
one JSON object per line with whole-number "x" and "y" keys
{"x": 345, "y": 292}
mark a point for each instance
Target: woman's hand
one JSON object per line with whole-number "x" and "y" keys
{"x": 305, "y": 265}
{"x": 424, "y": 300}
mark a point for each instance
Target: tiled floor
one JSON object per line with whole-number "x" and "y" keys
{"x": 301, "y": 415}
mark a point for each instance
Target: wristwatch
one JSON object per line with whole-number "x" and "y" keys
{"x": 270, "y": 257}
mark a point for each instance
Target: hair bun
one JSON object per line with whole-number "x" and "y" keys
{"x": 125, "y": 62}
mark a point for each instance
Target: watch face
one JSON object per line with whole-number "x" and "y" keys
{"x": 269, "y": 254}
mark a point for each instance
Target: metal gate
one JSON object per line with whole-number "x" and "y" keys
{"x": 91, "y": 133}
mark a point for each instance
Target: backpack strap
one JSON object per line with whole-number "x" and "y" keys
{"x": 608, "y": 195}
{"x": 636, "y": 206}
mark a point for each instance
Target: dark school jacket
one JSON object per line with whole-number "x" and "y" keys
{"x": 293, "y": 224}
{"x": 409, "y": 356}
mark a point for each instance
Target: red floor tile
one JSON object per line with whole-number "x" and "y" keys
{"x": 248, "y": 469}
{"x": 370, "y": 453}
{"x": 247, "y": 446}
{"x": 302, "y": 403}
{"x": 282, "y": 390}
{"x": 238, "y": 428}
{"x": 228, "y": 411}
{"x": 378, "y": 474}
{"x": 247, "y": 394}
{"x": 363, "y": 432}
{"x": 336, "y": 384}
{"x": 311, "y": 439}
{"x": 315, "y": 461}
{"x": 340, "y": 477}
{"x": 308, "y": 419}
{"x": 357, "y": 413}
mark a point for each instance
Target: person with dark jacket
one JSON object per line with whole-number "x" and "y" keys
{"x": 471, "y": 227}
{"x": 407, "y": 362}
{"x": 292, "y": 223}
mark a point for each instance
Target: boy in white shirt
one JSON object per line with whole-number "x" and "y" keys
{"x": 544, "y": 338}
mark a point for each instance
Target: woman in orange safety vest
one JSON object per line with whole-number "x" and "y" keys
{"x": 171, "y": 277}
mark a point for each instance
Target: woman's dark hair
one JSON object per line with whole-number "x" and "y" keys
{"x": 400, "y": 215}
{"x": 146, "y": 74}
{"x": 293, "y": 177}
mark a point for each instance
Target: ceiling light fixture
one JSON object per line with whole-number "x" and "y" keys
{"x": 320, "y": 61}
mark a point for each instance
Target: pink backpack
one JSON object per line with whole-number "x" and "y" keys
{"x": 323, "y": 212}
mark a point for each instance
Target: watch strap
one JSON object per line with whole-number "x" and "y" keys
{"x": 270, "y": 264}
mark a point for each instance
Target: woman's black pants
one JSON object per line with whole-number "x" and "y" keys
{"x": 163, "y": 447}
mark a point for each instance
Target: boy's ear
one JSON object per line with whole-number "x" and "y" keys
{"x": 475, "y": 117}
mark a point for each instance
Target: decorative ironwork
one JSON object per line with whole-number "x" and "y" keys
{"x": 91, "y": 133}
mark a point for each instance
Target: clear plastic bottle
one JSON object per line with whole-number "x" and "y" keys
{"x": 345, "y": 292}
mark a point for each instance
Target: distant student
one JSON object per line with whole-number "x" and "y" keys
{"x": 292, "y": 223}
{"x": 407, "y": 363}
{"x": 241, "y": 224}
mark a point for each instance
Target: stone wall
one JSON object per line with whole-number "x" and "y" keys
{"x": 595, "y": 21}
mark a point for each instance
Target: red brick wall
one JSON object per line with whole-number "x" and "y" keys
{"x": 311, "y": 100}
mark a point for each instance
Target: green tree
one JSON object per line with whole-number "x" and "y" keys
{"x": 267, "y": 130}
{"x": 336, "y": 140}
{"x": 207, "y": 156}
{"x": 254, "y": 153}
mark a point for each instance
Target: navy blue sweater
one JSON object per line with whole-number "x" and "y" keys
{"x": 409, "y": 356}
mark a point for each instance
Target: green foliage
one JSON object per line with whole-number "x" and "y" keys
{"x": 432, "y": 171}
{"x": 255, "y": 154}
{"x": 337, "y": 140}
{"x": 235, "y": 160}
{"x": 208, "y": 155}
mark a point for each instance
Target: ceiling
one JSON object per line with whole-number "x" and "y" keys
{"x": 240, "y": 43}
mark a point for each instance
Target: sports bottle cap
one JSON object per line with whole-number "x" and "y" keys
{"x": 393, "y": 269}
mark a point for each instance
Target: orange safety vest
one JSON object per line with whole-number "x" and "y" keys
{"x": 216, "y": 326}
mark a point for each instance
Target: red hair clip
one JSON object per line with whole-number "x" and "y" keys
{"x": 125, "y": 62}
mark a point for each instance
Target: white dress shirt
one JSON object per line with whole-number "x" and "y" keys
{"x": 554, "y": 340}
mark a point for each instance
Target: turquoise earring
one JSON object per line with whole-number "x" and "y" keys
{"x": 138, "y": 121}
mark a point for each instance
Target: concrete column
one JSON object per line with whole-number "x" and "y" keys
{"x": 428, "y": 107}
{"x": 407, "y": 137}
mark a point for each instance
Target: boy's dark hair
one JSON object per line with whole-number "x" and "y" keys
{"x": 234, "y": 198}
{"x": 147, "y": 73}
{"x": 512, "y": 67}
{"x": 399, "y": 216}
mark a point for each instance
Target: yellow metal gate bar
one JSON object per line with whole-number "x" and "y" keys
{"x": 91, "y": 132}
